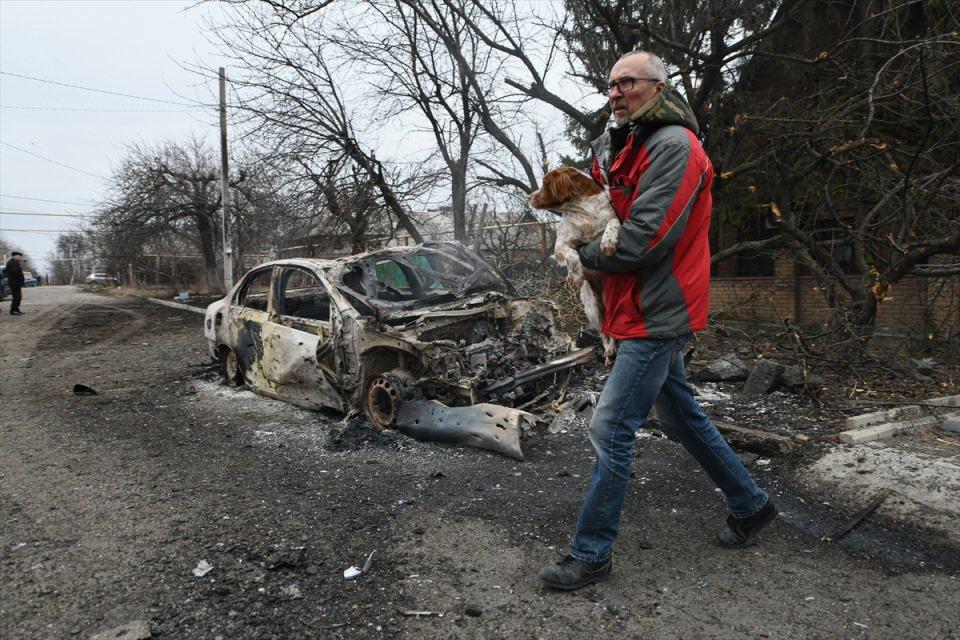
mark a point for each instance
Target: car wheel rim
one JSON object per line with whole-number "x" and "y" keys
{"x": 382, "y": 402}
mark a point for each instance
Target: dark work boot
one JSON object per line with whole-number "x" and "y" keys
{"x": 570, "y": 573}
{"x": 742, "y": 532}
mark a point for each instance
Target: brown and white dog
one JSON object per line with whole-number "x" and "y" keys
{"x": 586, "y": 213}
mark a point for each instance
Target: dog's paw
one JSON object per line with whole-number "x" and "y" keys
{"x": 609, "y": 350}
{"x": 610, "y": 238}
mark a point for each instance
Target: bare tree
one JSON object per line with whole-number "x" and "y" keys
{"x": 171, "y": 192}
{"x": 858, "y": 168}
{"x": 291, "y": 87}
{"x": 420, "y": 75}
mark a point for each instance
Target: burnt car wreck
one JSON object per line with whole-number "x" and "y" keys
{"x": 430, "y": 340}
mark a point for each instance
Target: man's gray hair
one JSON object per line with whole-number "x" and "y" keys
{"x": 655, "y": 65}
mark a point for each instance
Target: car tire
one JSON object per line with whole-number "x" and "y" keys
{"x": 230, "y": 371}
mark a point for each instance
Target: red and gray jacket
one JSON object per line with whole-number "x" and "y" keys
{"x": 657, "y": 284}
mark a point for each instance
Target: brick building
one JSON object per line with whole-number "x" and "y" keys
{"x": 771, "y": 287}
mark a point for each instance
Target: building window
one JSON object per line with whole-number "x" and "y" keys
{"x": 754, "y": 262}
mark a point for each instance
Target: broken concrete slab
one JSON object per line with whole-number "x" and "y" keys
{"x": 136, "y": 630}
{"x": 766, "y": 376}
{"x": 793, "y": 379}
{"x": 951, "y": 424}
{"x": 762, "y": 442}
{"x": 887, "y": 430}
{"x": 729, "y": 368}
{"x": 909, "y": 412}
{"x": 944, "y": 401}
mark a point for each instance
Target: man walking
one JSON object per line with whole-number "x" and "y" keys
{"x": 14, "y": 273}
{"x": 656, "y": 295}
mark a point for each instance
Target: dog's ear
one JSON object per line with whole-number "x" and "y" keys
{"x": 556, "y": 188}
{"x": 583, "y": 185}
{"x": 562, "y": 184}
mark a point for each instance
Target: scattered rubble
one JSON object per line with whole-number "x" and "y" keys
{"x": 755, "y": 440}
{"x": 729, "y": 368}
{"x": 766, "y": 376}
{"x": 882, "y": 425}
{"x": 291, "y": 592}
{"x": 136, "y": 630}
{"x": 795, "y": 380}
{"x": 951, "y": 424}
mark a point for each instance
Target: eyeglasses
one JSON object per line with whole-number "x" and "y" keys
{"x": 626, "y": 84}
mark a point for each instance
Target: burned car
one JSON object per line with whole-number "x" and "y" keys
{"x": 429, "y": 339}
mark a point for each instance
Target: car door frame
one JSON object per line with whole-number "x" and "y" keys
{"x": 247, "y": 328}
{"x": 298, "y": 359}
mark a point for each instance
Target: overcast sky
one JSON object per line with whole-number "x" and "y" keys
{"x": 130, "y": 47}
{"x": 58, "y": 143}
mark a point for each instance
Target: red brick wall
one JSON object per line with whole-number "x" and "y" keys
{"x": 915, "y": 306}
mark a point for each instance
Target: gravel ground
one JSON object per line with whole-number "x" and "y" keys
{"x": 109, "y": 502}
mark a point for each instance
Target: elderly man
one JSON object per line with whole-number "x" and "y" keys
{"x": 656, "y": 295}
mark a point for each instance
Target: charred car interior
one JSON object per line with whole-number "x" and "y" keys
{"x": 430, "y": 340}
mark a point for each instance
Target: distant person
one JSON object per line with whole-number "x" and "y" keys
{"x": 14, "y": 275}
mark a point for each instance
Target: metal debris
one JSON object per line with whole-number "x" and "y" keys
{"x": 486, "y": 426}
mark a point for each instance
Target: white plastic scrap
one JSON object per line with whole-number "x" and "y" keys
{"x": 352, "y": 572}
{"x": 202, "y": 568}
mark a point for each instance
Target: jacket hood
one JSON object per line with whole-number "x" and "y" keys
{"x": 669, "y": 107}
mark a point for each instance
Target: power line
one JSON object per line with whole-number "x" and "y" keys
{"x": 111, "y": 93}
{"x": 51, "y": 215}
{"x": 98, "y": 110}
{"x": 80, "y": 204}
{"x": 37, "y": 155}
{"x": 39, "y": 230}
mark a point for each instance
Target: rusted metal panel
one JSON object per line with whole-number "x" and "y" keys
{"x": 485, "y": 426}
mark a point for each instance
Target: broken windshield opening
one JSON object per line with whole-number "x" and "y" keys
{"x": 416, "y": 279}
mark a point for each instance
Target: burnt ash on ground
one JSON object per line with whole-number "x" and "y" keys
{"x": 109, "y": 503}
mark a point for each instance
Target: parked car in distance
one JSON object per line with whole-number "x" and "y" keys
{"x": 99, "y": 277}
{"x": 4, "y": 287}
{"x": 29, "y": 280}
{"x": 423, "y": 339}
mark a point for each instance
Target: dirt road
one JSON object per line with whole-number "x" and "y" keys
{"x": 109, "y": 502}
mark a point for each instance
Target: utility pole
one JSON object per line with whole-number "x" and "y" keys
{"x": 225, "y": 187}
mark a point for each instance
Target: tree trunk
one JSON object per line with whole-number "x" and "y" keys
{"x": 206, "y": 232}
{"x": 459, "y": 203}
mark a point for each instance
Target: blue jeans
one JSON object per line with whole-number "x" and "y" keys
{"x": 648, "y": 373}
